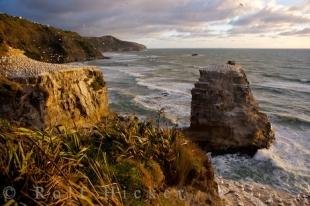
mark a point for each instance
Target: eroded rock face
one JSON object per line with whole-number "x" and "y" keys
{"x": 225, "y": 117}
{"x": 72, "y": 98}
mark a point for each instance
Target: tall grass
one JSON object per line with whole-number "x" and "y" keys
{"x": 98, "y": 165}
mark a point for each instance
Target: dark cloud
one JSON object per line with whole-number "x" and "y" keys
{"x": 102, "y": 16}
{"x": 160, "y": 18}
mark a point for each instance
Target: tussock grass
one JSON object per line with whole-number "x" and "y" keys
{"x": 94, "y": 166}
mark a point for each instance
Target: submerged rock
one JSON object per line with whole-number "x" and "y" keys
{"x": 43, "y": 95}
{"x": 231, "y": 62}
{"x": 225, "y": 117}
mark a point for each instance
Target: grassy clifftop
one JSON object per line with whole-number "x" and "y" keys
{"x": 120, "y": 161}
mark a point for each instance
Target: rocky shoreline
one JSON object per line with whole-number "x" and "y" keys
{"x": 244, "y": 193}
{"x": 76, "y": 105}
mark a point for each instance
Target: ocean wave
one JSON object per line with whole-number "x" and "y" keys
{"x": 176, "y": 108}
{"x": 271, "y": 156}
{"x": 114, "y": 64}
{"x": 122, "y": 55}
{"x": 266, "y": 168}
{"x": 157, "y": 79}
{"x": 136, "y": 71}
{"x": 304, "y": 80}
{"x": 166, "y": 85}
{"x": 286, "y": 78}
{"x": 282, "y": 87}
{"x": 288, "y": 119}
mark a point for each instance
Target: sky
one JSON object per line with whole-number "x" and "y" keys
{"x": 178, "y": 23}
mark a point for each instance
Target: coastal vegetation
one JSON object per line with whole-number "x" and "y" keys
{"x": 120, "y": 161}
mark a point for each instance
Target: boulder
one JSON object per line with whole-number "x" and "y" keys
{"x": 225, "y": 117}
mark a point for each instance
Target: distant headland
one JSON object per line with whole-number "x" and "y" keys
{"x": 50, "y": 44}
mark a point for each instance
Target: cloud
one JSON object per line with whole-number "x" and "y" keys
{"x": 269, "y": 15}
{"x": 302, "y": 32}
{"x": 272, "y": 19}
{"x": 178, "y": 19}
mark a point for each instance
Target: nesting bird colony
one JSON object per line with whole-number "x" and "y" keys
{"x": 17, "y": 65}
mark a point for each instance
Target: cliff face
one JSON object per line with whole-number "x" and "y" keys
{"x": 224, "y": 115}
{"x": 50, "y": 95}
{"x": 110, "y": 43}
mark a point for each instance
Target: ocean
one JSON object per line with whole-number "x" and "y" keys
{"x": 142, "y": 83}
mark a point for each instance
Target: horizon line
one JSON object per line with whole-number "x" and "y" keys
{"x": 292, "y": 48}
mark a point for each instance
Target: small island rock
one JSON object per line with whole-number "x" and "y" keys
{"x": 225, "y": 117}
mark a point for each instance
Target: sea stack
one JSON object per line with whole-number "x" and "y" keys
{"x": 225, "y": 117}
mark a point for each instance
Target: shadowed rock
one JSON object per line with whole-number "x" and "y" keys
{"x": 230, "y": 62}
{"x": 225, "y": 117}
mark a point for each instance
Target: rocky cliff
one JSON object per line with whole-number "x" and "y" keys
{"x": 41, "y": 95}
{"x": 158, "y": 164}
{"x": 112, "y": 44}
{"x": 49, "y": 44}
{"x": 45, "y": 43}
{"x": 224, "y": 114}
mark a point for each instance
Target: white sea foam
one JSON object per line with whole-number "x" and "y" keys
{"x": 167, "y": 85}
{"x": 176, "y": 112}
{"x": 304, "y": 80}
